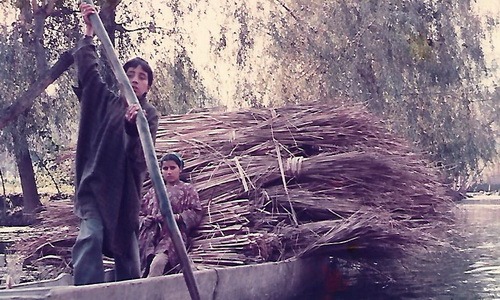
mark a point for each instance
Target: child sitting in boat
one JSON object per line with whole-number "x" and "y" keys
{"x": 156, "y": 247}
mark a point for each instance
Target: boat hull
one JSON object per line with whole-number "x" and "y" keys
{"x": 279, "y": 280}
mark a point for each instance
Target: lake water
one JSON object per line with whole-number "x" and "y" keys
{"x": 469, "y": 271}
{"x": 481, "y": 251}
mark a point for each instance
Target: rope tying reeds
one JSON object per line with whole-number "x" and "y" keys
{"x": 294, "y": 166}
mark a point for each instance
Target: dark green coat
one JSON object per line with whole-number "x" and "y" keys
{"x": 110, "y": 165}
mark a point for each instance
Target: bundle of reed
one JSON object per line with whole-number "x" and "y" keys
{"x": 301, "y": 180}
{"x": 312, "y": 163}
{"x": 307, "y": 128}
{"x": 363, "y": 231}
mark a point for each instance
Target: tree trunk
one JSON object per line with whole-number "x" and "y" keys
{"x": 4, "y": 195}
{"x": 27, "y": 99}
{"x": 31, "y": 198}
{"x": 40, "y": 53}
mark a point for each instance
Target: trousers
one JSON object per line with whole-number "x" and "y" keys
{"x": 88, "y": 267}
{"x": 158, "y": 265}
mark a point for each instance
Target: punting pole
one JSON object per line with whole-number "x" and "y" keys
{"x": 149, "y": 153}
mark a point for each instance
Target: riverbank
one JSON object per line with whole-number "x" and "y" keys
{"x": 482, "y": 198}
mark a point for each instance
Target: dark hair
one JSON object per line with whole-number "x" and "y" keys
{"x": 173, "y": 157}
{"x": 137, "y": 61}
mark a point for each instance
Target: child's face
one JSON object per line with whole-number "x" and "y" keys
{"x": 170, "y": 171}
{"x": 138, "y": 80}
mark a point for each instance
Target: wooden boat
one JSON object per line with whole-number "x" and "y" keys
{"x": 277, "y": 280}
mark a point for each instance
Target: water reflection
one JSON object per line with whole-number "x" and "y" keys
{"x": 481, "y": 240}
{"x": 471, "y": 270}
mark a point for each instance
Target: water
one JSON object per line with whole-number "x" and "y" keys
{"x": 469, "y": 271}
{"x": 480, "y": 242}
{"x": 11, "y": 263}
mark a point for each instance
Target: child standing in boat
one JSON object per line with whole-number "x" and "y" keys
{"x": 156, "y": 245}
{"x": 110, "y": 164}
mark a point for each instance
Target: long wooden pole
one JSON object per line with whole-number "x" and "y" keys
{"x": 149, "y": 153}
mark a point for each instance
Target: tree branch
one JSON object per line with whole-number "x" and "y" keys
{"x": 62, "y": 11}
{"x": 151, "y": 28}
{"x": 34, "y": 6}
{"x": 26, "y": 100}
{"x": 288, "y": 10}
{"x": 49, "y": 8}
{"x": 111, "y": 4}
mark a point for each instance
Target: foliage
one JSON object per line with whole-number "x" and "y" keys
{"x": 153, "y": 32}
{"x": 38, "y": 38}
{"x": 33, "y": 42}
{"x": 417, "y": 63}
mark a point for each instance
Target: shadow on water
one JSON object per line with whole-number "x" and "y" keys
{"x": 469, "y": 271}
